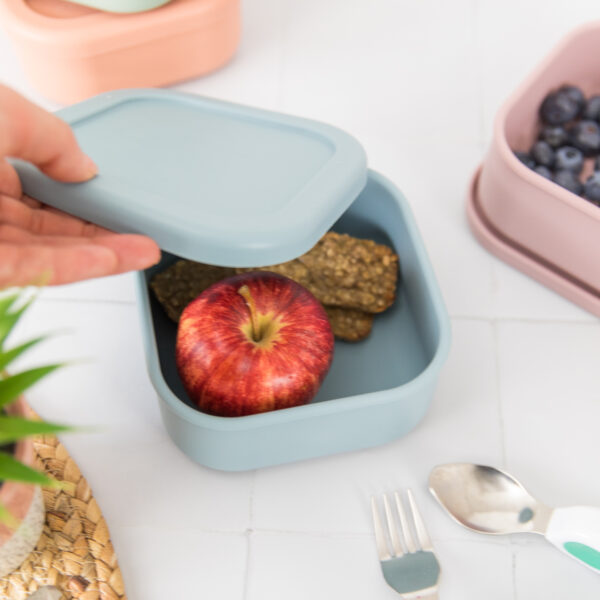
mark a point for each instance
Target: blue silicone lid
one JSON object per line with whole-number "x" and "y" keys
{"x": 207, "y": 180}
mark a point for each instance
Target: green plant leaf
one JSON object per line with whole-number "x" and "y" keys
{"x": 8, "y": 356}
{"x": 13, "y": 470}
{"x": 9, "y": 319}
{"x": 16, "y": 428}
{"x": 6, "y": 302}
{"x": 12, "y": 386}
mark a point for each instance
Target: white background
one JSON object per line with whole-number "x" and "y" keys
{"x": 418, "y": 82}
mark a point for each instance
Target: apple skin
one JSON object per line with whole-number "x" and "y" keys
{"x": 226, "y": 372}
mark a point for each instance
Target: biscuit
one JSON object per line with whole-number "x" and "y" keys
{"x": 182, "y": 282}
{"x": 341, "y": 270}
{"x": 349, "y": 324}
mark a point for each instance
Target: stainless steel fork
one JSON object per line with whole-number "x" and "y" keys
{"x": 405, "y": 551}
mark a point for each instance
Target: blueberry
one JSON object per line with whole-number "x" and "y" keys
{"x": 543, "y": 171}
{"x": 568, "y": 180}
{"x": 569, "y": 159}
{"x": 559, "y": 107}
{"x": 525, "y": 159}
{"x": 575, "y": 94}
{"x": 554, "y": 135}
{"x": 591, "y": 188}
{"x": 591, "y": 111}
{"x": 542, "y": 153}
{"x": 585, "y": 135}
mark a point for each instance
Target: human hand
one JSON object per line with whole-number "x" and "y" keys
{"x": 40, "y": 244}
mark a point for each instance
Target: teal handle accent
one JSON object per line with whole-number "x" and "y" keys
{"x": 584, "y": 553}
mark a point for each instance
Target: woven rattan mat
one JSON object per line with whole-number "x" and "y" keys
{"x": 75, "y": 553}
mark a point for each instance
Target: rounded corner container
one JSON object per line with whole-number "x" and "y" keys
{"x": 530, "y": 222}
{"x": 377, "y": 390}
{"x": 71, "y": 52}
{"x": 270, "y": 186}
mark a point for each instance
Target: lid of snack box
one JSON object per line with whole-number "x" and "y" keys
{"x": 208, "y": 180}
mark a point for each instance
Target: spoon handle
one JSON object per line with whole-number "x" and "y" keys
{"x": 576, "y": 531}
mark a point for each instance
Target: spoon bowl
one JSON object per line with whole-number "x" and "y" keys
{"x": 487, "y": 500}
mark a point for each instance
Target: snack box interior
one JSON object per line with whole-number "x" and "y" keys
{"x": 288, "y": 181}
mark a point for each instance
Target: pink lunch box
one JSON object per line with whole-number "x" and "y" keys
{"x": 530, "y": 222}
{"x": 71, "y": 52}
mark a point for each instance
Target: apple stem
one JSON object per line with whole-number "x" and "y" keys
{"x": 244, "y": 291}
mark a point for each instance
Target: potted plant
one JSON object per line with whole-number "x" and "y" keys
{"x": 22, "y": 512}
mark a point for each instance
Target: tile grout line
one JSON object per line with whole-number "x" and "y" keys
{"x": 504, "y": 459}
{"x": 494, "y": 324}
{"x": 479, "y": 73}
{"x": 283, "y": 31}
{"x": 248, "y": 533}
{"x": 514, "y": 572}
{"x": 526, "y": 320}
{"x": 247, "y": 570}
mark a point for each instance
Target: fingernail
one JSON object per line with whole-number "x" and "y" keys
{"x": 89, "y": 166}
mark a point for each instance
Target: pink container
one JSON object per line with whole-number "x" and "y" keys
{"x": 527, "y": 220}
{"x": 71, "y": 52}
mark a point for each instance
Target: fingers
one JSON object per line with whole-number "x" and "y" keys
{"x": 31, "y": 133}
{"x": 22, "y": 265}
{"x": 39, "y": 244}
{"x": 31, "y": 202}
{"x": 34, "y": 217}
{"x": 9, "y": 234}
{"x": 134, "y": 252}
{"x": 26, "y": 260}
{"x": 10, "y": 184}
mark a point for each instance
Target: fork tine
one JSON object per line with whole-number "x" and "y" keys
{"x": 392, "y": 528}
{"x": 422, "y": 535}
{"x": 406, "y": 534}
{"x": 382, "y": 548}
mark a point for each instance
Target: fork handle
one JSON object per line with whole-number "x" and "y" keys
{"x": 576, "y": 531}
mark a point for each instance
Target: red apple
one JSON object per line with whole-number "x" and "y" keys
{"x": 253, "y": 343}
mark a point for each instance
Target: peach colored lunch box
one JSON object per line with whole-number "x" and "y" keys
{"x": 71, "y": 52}
{"x": 530, "y": 222}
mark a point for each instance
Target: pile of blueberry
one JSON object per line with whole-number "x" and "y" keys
{"x": 570, "y": 133}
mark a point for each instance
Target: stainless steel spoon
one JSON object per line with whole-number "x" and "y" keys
{"x": 488, "y": 500}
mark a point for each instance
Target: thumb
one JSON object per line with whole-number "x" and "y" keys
{"x": 39, "y": 137}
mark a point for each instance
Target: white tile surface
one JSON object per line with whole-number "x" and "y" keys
{"x": 303, "y": 565}
{"x": 342, "y": 66}
{"x": 344, "y": 566}
{"x": 549, "y": 390}
{"x": 118, "y": 288}
{"x": 418, "y": 83}
{"x": 541, "y": 571}
{"x": 476, "y": 569}
{"x": 163, "y": 563}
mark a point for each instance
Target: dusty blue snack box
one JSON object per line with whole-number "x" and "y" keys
{"x": 235, "y": 186}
